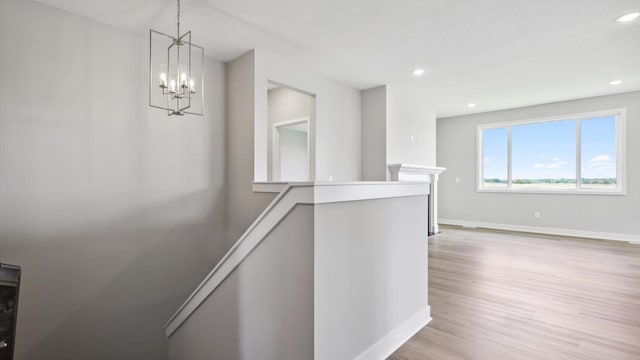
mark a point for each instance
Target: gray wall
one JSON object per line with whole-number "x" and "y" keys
{"x": 244, "y": 205}
{"x": 114, "y": 210}
{"x": 374, "y": 134}
{"x": 264, "y": 308}
{"x": 598, "y": 213}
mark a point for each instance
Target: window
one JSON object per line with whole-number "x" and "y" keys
{"x": 571, "y": 154}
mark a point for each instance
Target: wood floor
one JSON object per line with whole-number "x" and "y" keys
{"x": 500, "y": 295}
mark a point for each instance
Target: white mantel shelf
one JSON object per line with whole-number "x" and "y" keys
{"x": 412, "y": 172}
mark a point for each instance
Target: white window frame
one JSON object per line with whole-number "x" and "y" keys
{"x": 621, "y": 163}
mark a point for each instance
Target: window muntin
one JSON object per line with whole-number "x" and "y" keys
{"x": 572, "y": 154}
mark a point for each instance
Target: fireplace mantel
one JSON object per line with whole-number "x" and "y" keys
{"x": 410, "y": 172}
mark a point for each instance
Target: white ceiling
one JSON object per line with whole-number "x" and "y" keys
{"x": 496, "y": 53}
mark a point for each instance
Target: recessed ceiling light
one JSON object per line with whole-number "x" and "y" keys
{"x": 615, "y": 82}
{"x": 628, "y": 17}
{"x": 471, "y": 105}
{"x": 418, "y": 72}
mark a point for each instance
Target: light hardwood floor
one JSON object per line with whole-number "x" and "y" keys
{"x": 502, "y": 295}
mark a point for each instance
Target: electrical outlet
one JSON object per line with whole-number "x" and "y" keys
{"x": 457, "y": 180}
{"x": 536, "y": 214}
{"x": 330, "y": 178}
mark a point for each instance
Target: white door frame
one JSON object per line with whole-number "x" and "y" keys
{"x": 276, "y": 144}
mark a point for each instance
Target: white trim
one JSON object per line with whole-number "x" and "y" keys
{"x": 340, "y": 192}
{"x": 350, "y": 190}
{"x": 397, "y": 170}
{"x": 509, "y": 159}
{"x": 590, "y": 114}
{"x": 556, "y": 192}
{"x": 269, "y": 187}
{"x": 411, "y": 172}
{"x": 389, "y": 343}
{"x": 275, "y": 140}
{"x": 621, "y": 156}
{"x": 291, "y": 195}
{"x": 545, "y": 230}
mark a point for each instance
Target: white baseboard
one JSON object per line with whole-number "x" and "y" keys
{"x": 634, "y": 239}
{"x": 396, "y": 337}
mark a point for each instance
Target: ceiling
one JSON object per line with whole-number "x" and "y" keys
{"x": 498, "y": 54}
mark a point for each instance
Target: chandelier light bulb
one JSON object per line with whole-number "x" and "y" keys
{"x": 163, "y": 80}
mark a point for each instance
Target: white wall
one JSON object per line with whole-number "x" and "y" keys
{"x": 397, "y": 127}
{"x": 593, "y": 213}
{"x": 283, "y": 105}
{"x": 374, "y": 134}
{"x": 114, "y": 210}
{"x": 410, "y": 115}
{"x": 335, "y": 121}
{"x": 294, "y": 159}
{"x": 336, "y": 124}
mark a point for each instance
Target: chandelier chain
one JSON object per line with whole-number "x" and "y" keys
{"x": 178, "y": 18}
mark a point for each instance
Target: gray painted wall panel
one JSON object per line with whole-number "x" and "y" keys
{"x": 114, "y": 210}
{"x": 264, "y": 309}
{"x": 244, "y": 205}
{"x": 599, "y": 213}
{"x": 374, "y": 134}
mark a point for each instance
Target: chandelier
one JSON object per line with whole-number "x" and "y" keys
{"x": 176, "y": 72}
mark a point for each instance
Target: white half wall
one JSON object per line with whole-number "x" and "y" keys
{"x": 582, "y": 214}
{"x": 345, "y": 278}
{"x": 114, "y": 210}
{"x": 366, "y": 255}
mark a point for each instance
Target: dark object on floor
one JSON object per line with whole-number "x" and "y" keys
{"x": 9, "y": 289}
